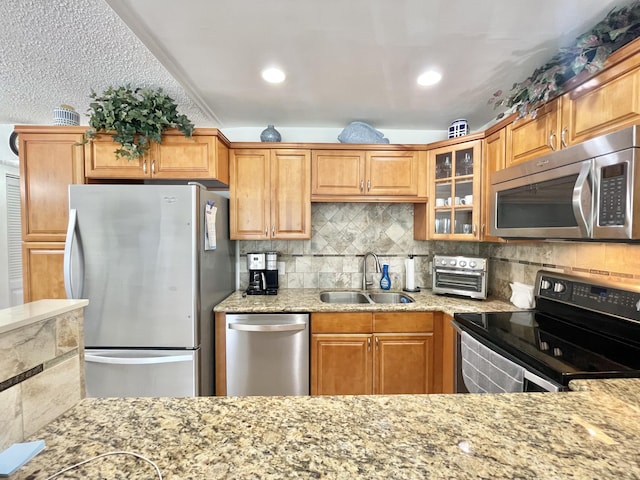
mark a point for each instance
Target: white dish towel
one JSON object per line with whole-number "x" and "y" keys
{"x": 485, "y": 371}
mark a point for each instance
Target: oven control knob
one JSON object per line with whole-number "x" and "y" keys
{"x": 452, "y": 263}
{"x": 444, "y": 262}
{"x": 472, "y": 264}
{"x": 462, "y": 263}
{"x": 559, "y": 287}
{"x": 544, "y": 345}
{"x": 557, "y": 352}
{"x": 545, "y": 285}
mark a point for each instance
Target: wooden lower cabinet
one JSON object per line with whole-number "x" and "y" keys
{"x": 42, "y": 270}
{"x": 365, "y": 353}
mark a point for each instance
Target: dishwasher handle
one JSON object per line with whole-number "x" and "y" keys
{"x": 252, "y": 327}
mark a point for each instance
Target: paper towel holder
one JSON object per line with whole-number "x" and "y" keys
{"x": 411, "y": 290}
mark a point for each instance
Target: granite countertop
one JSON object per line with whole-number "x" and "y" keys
{"x": 308, "y": 300}
{"x": 584, "y": 434}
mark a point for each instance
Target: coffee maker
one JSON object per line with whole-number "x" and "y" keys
{"x": 256, "y": 264}
{"x": 271, "y": 273}
{"x": 263, "y": 273}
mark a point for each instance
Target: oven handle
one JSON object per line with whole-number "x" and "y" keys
{"x": 463, "y": 272}
{"x": 530, "y": 376}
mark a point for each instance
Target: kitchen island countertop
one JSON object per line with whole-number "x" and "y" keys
{"x": 590, "y": 433}
{"x": 308, "y": 300}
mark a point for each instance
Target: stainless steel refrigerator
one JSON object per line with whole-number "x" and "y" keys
{"x": 152, "y": 269}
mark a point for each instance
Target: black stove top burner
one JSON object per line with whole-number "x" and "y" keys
{"x": 558, "y": 349}
{"x": 580, "y": 329}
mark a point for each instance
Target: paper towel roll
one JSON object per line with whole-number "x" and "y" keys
{"x": 409, "y": 267}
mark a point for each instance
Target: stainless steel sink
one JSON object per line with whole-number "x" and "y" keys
{"x": 390, "y": 297}
{"x": 344, "y": 297}
{"x": 338, "y": 296}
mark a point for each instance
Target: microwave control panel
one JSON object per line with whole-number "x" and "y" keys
{"x": 613, "y": 195}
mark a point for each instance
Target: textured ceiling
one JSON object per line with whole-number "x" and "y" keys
{"x": 345, "y": 60}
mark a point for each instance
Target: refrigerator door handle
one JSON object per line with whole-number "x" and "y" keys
{"x": 248, "y": 327}
{"x": 137, "y": 360}
{"x": 68, "y": 250}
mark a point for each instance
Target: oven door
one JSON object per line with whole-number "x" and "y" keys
{"x": 532, "y": 382}
{"x": 460, "y": 282}
{"x": 554, "y": 203}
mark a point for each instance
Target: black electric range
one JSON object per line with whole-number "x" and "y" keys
{"x": 580, "y": 328}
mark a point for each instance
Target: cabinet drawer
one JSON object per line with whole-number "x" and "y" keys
{"x": 341, "y": 323}
{"x": 403, "y": 322}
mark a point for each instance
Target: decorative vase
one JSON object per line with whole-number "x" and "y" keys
{"x": 270, "y": 134}
{"x": 385, "y": 281}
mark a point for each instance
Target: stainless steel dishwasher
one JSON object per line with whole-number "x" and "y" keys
{"x": 267, "y": 354}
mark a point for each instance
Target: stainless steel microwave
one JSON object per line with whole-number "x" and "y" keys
{"x": 587, "y": 191}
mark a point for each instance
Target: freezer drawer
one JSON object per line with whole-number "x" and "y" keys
{"x": 267, "y": 354}
{"x": 141, "y": 373}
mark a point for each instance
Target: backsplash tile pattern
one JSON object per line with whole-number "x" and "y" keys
{"x": 343, "y": 232}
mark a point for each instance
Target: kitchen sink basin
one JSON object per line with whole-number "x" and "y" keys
{"x": 390, "y": 297}
{"x": 344, "y": 297}
{"x": 361, "y": 297}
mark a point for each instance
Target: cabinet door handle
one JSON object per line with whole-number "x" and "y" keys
{"x": 273, "y": 231}
{"x": 368, "y": 185}
{"x": 362, "y": 185}
{"x": 369, "y": 344}
{"x": 266, "y": 231}
{"x": 377, "y": 344}
{"x": 552, "y": 141}
{"x": 153, "y": 167}
{"x": 475, "y": 229}
{"x": 563, "y": 139}
{"x": 144, "y": 167}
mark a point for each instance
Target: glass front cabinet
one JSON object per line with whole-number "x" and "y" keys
{"x": 453, "y": 211}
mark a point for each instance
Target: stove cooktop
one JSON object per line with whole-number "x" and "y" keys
{"x": 580, "y": 329}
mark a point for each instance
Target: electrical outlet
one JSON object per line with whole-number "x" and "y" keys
{"x": 281, "y": 269}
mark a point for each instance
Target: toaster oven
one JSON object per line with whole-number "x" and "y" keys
{"x": 456, "y": 275}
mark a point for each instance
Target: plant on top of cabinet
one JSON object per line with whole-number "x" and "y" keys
{"x": 136, "y": 118}
{"x": 588, "y": 53}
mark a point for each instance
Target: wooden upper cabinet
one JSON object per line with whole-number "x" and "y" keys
{"x": 528, "y": 138}
{"x": 270, "y": 194}
{"x": 607, "y": 102}
{"x": 51, "y": 158}
{"x": 494, "y": 160}
{"x": 368, "y": 175}
{"x": 392, "y": 173}
{"x": 337, "y": 172}
{"x": 204, "y": 156}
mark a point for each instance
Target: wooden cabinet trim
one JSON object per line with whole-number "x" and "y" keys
{"x": 402, "y": 322}
{"x": 341, "y": 322}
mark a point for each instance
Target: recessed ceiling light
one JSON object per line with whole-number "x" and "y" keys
{"x": 430, "y": 77}
{"x": 273, "y": 75}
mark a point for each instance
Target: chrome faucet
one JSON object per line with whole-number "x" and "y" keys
{"x": 364, "y": 269}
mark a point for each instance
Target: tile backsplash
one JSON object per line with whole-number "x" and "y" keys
{"x": 343, "y": 232}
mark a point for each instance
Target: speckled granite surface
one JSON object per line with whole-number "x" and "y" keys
{"x": 509, "y": 436}
{"x": 308, "y": 300}
{"x": 627, "y": 391}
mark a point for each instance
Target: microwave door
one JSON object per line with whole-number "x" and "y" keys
{"x": 554, "y": 203}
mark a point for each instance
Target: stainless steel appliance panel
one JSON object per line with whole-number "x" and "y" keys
{"x": 138, "y": 251}
{"x": 267, "y": 354}
{"x": 587, "y": 191}
{"x": 158, "y": 373}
